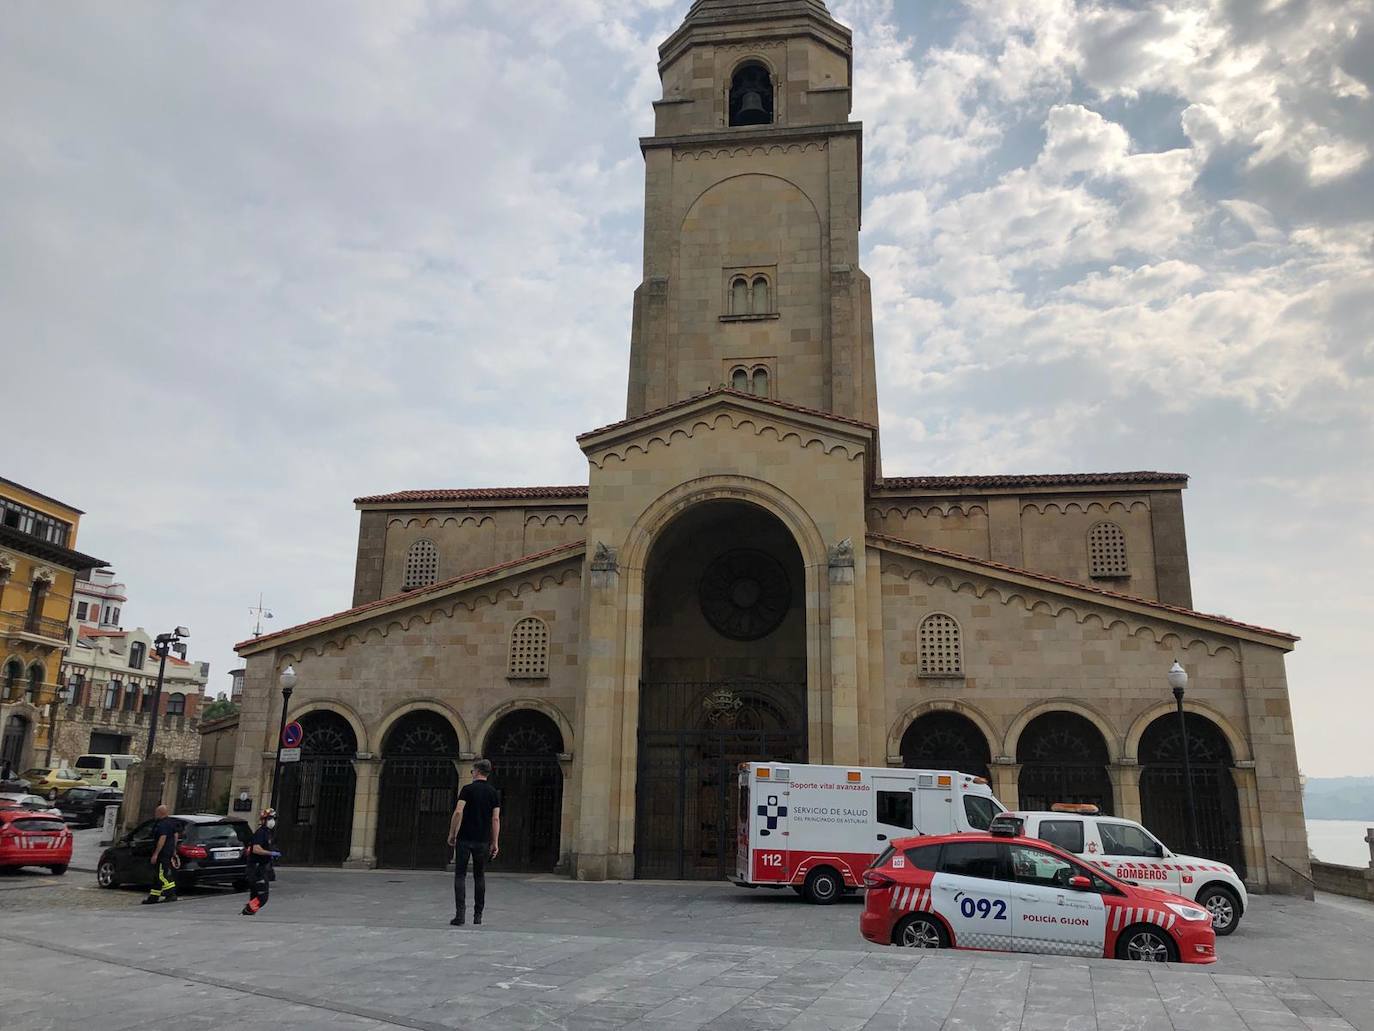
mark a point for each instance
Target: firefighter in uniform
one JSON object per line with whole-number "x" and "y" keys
{"x": 261, "y": 852}
{"x": 166, "y": 833}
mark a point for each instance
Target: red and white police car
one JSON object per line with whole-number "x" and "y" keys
{"x": 1005, "y": 892}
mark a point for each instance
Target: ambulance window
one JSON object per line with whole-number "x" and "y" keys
{"x": 1067, "y": 834}
{"x": 1121, "y": 839}
{"x": 980, "y": 811}
{"x": 924, "y": 857}
{"x": 894, "y": 809}
{"x": 986, "y": 859}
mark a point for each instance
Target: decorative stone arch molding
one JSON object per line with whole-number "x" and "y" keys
{"x": 815, "y": 208}
{"x": 465, "y": 744}
{"x": 1238, "y": 743}
{"x": 898, "y": 729}
{"x": 306, "y": 707}
{"x": 548, "y": 709}
{"x": 1109, "y": 733}
{"x": 44, "y": 575}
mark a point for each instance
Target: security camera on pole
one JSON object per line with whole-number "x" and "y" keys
{"x": 162, "y": 644}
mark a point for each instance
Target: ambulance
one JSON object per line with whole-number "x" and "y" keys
{"x": 817, "y": 828}
{"x": 1127, "y": 850}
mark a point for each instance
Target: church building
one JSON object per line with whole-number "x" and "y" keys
{"x": 738, "y": 578}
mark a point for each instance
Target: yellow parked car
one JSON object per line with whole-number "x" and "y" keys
{"x": 52, "y": 781}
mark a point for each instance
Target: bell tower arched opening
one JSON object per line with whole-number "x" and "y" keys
{"x": 723, "y": 680}
{"x": 751, "y": 95}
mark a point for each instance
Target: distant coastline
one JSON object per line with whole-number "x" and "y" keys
{"x": 1339, "y": 798}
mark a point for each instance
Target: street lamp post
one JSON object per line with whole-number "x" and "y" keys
{"x": 162, "y": 644}
{"x": 288, "y": 684}
{"x": 1178, "y": 680}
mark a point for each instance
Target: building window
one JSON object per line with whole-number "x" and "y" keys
{"x": 739, "y": 297}
{"x": 750, "y": 379}
{"x": 751, "y": 96}
{"x": 111, "y": 695}
{"x": 939, "y": 649}
{"x": 422, "y": 565}
{"x": 751, "y": 294}
{"x": 81, "y": 610}
{"x": 76, "y": 687}
{"x": 529, "y": 648}
{"x": 137, "y": 653}
{"x": 149, "y": 694}
{"x": 176, "y": 704}
{"x": 27, "y": 520}
{"x": 35, "y": 684}
{"x": 762, "y": 304}
{"x": 38, "y": 594}
{"x": 115, "y": 620}
{"x": 14, "y": 669}
{"x": 131, "y": 698}
{"x": 1107, "y": 551}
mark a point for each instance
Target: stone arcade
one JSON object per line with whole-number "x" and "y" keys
{"x": 738, "y": 579}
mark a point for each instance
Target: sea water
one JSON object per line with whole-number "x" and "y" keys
{"x": 1339, "y": 841}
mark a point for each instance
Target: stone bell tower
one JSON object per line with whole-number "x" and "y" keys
{"x": 751, "y": 215}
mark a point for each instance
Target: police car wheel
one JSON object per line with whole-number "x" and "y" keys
{"x": 1224, "y": 907}
{"x": 920, "y": 932}
{"x": 823, "y": 886}
{"x": 1146, "y": 944}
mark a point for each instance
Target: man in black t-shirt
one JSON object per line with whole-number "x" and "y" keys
{"x": 475, "y": 833}
{"x": 166, "y": 833}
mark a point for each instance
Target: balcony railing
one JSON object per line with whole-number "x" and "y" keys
{"x": 40, "y": 626}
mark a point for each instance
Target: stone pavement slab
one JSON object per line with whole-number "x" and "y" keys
{"x": 373, "y": 950}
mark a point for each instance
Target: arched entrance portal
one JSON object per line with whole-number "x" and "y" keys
{"x": 1163, "y": 791}
{"x": 523, "y": 748}
{"x": 724, "y": 680}
{"x": 946, "y": 741}
{"x": 316, "y": 819}
{"x": 1063, "y": 759}
{"x": 419, "y": 788}
{"x": 12, "y": 744}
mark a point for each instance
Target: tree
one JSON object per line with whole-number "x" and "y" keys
{"x": 220, "y": 707}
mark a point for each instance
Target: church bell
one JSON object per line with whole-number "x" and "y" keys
{"x": 751, "y": 109}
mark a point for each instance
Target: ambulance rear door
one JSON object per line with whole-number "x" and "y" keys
{"x": 894, "y": 810}
{"x": 769, "y": 807}
{"x": 935, "y": 804}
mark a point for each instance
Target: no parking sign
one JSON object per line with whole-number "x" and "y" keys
{"x": 292, "y": 734}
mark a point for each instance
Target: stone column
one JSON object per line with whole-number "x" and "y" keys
{"x": 844, "y": 658}
{"x": 362, "y": 851}
{"x": 1006, "y": 774}
{"x": 1125, "y": 775}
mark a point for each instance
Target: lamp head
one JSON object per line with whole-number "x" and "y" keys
{"x": 1178, "y": 679}
{"x": 181, "y": 631}
{"x": 288, "y": 678}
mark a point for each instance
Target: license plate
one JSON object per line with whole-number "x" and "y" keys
{"x": 221, "y": 854}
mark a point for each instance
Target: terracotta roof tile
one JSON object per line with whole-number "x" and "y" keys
{"x": 1059, "y": 582}
{"x": 1031, "y": 480}
{"x": 423, "y": 592}
{"x": 727, "y": 392}
{"x": 573, "y": 493}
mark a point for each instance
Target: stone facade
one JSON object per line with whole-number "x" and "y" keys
{"x": 737, "y": 569}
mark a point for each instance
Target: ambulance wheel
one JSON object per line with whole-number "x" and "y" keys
{"x": 920, "y": 932}
{"x": 1223, "y": 905}
{"x": 823, "y": 886}
{"x": 1145, "y": 943}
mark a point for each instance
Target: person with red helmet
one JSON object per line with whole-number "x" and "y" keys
{"x": 261, "y": 852}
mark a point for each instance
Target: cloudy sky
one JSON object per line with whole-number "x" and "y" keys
{"x": 257, "y": 259}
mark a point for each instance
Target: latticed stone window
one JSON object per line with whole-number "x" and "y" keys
{"x": 938, "y": 647}
{"x": 1107, "y": 551}
{"x": 529, "y": 648}
{"x": 422, "y": 565}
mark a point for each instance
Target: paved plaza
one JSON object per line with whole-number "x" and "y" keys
{"x": 345, "y": 950}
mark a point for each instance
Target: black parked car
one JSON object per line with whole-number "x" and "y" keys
{"x": 211, "y": 852}
{"x": 85, "y": 806}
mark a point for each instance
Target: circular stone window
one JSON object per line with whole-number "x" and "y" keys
{"x": 745, "y": 594}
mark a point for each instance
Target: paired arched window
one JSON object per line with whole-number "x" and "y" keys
{"x": 176, "y": 704}
{"x": 1107, "y": 551}
{"x": 35, "y": 684}
{"x": 751, "y": 295}
{"x": 750, "y": 379}
{"x": 14, "y": 669}
{"x": 422, "y": 565}
{"x": 939, "y": 649}
{"x": 529, "y": 648}
{"x": 751, "y": 96}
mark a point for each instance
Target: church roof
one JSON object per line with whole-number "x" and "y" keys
{"x": 786, "y": 406}
{"x": 1122, "y": 600}
{"x": 406, "y": 598}
{"x": 1030, "y": 480}
{"x": 573, "y": 493}
{"x": 752, "y": 10}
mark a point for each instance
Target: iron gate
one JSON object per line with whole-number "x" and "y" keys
{"x": 193, "y": 788}
{"x": 316, "y": 819}
{"x": 531, "y": 811}
{"x": 692, "y": 738}
{"x": 1063, "y": 758}
{"x": 416, "y": 800}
